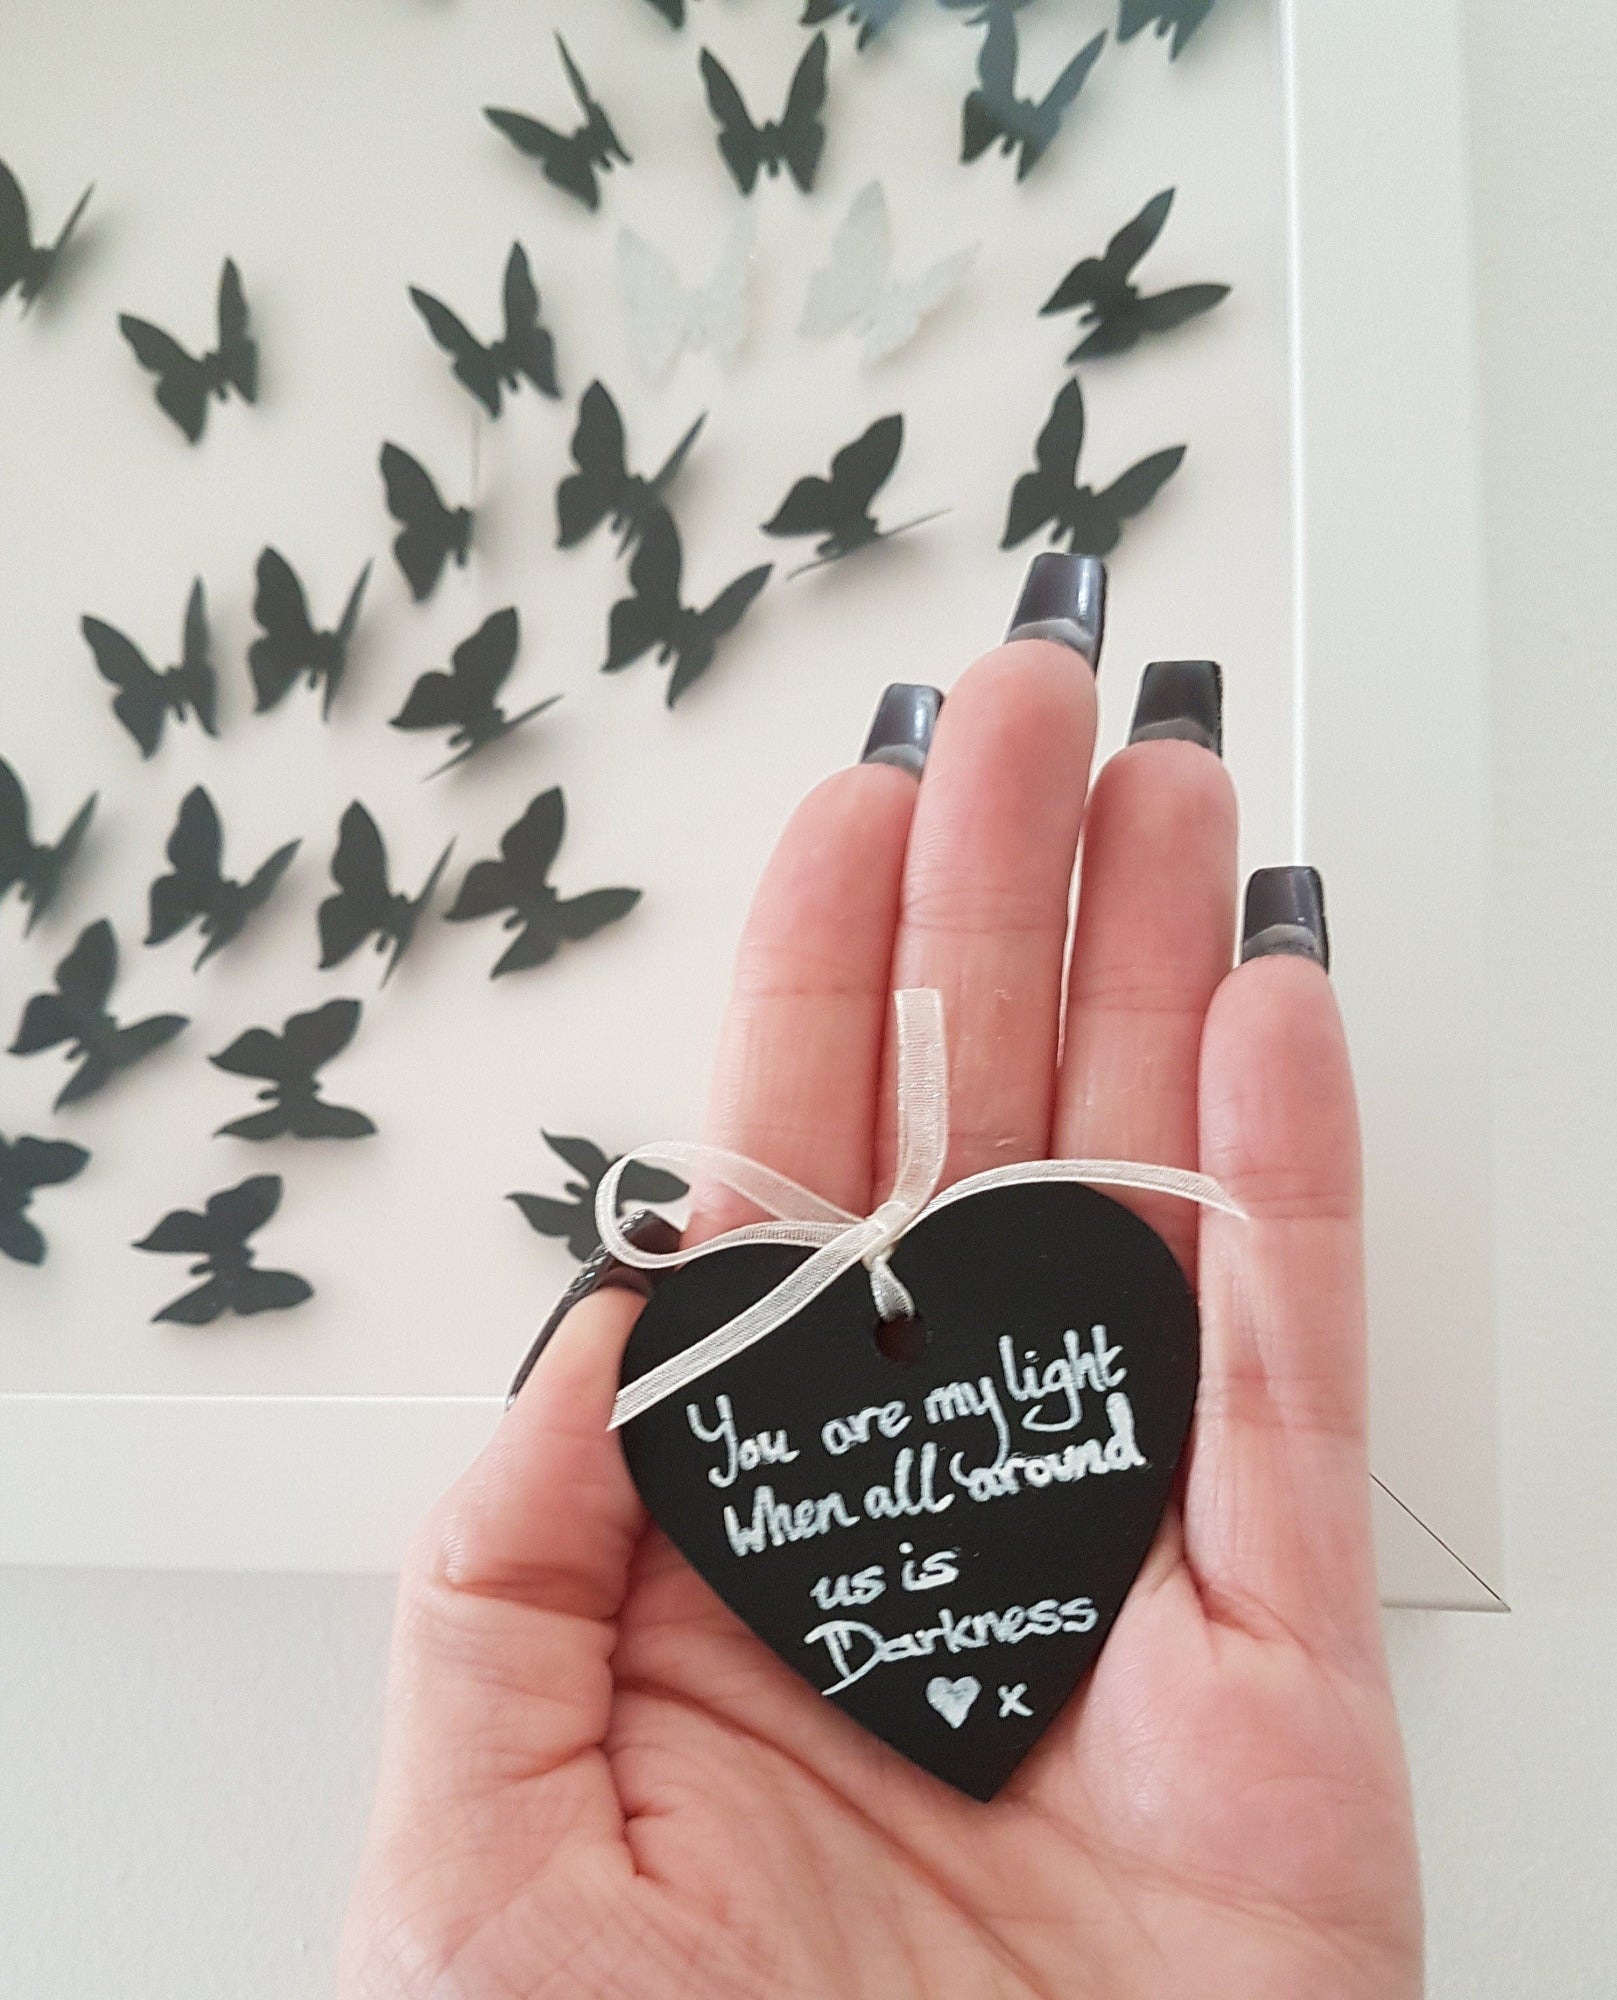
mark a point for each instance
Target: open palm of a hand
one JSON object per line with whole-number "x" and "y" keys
{"x": 598, "y": 1782}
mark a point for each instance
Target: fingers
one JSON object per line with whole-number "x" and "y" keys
{"x": 1277, "y": 1502}
{"x": 508, "y": 1603}
{"x": 986, "y": 888}
{"x": 1156, "y": 924}
{"x": 795, "y": 1080}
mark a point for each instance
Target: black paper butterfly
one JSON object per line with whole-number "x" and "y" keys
{"x": 1113, "y": 311}
{"x": 603, "y": 487}
{"x": 25, "y": 264}
{"x": 571, "y": 160}
{"x": 290, "y": 645}
{"x": 524, "y": 352}
{"x": 366, "y": 904}
{"x": 993, "y": 111}
{"x": 655, "y": 615}
{"x": 36, "y": 870}
{"x": 27, "y": 1164}
{"x": 573, "y": 1220}
{"x": 1180, "y": 18}
{"x": 147, "y": 697}
{"x": 197, "y": 889}
{"x": 868, "y": 16}
{"x": 218, "y": 1239}
{"x": 795, "y": 141}
{"x": 519, "y": 883}
{"x": 672, "y": 11}
{"x": 462, "y": 701}
{"x": 289, "y": 1065}
{"x": 185, "y": 381}
{"x": 838, "y": 509}
{"x": 429, "y": 532}
{"x": 76, "y": 1013}
{"x": 1050, "y": 495}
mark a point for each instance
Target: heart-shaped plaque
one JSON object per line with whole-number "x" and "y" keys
{"x": 939, "y": 1545}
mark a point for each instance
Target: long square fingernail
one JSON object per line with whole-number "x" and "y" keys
{"x": 1063, "y": 598}
{"x": 901, "y": 732}
{"x": 1182, "y": 701}
{"x": 1285, "y": 916}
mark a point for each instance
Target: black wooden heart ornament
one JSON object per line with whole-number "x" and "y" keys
{"x": 939, "y": 1545}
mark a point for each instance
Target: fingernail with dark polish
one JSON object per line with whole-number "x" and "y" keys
{"x": 602, "y": 1272}
{"x": 1182, "y": 700}
{"x": 1064, "y": 599}
{"x": 901, "y": 734}
{"x": 1285, "y": 916}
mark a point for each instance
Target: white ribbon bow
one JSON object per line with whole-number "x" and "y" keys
{"x": 839, "y": 1239}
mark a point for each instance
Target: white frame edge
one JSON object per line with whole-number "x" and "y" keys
{"x": 1389, "y": 593}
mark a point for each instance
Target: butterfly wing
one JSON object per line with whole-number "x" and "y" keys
{"x": 269, "y": 1291}
{"x": 182, "y": 380}
{"x": 18, "y": 854}
{"x": 1058, "y": 99}
{"x": 427, "y": 528}
{"x": 480, "y": 665}
{"x": 810, "y": 508}
{"x": 563, "y": 160}
{"x": 800, "y": 135}
{"x": 990, "y": 111}
{"x": 1130, "y": 494}
{"x": 580, "y": 917}
{"x": 847, "y": 290}
{"x": 180, "y": 1233}
{"x": 584, "y": 1157}
{"x": 38, "y": 1163}
{"x": 718, "y": 313}
{"x": 902, "y": 306}
{"x": 702, "y": 630}
{"x": 586, "y": 497}
{"x": 740, "y": 142}
{"x": 650, "y": 616}
{"x": 1049, "y": 491}
{"x": 259, "y": 1052}
{"x": 286, "y": 646}
{"x": 530, "y": 846}
{"x": 194, "y": 884}
{"x": 240, "y": 1212}
{"x": 260, "y": 886}
{"x": 640, "y": 1184}
{"x": 139, "y": 704}
{"x": 364, "y": 899}
{"x": 238, "y": 351}
{"x": 473, "y": 363}
{"x": 313, "y": 1039}
{"x": 192, "y": 682}
{"x": 527, "y": 348}
{"x": 573, "y": 1222}
{"x": 50, "y": 257}
{"x": 16, "y": 241}
{"x": 1163, "y": 311}
{"x": 656, "y": 307}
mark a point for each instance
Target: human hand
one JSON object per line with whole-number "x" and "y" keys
{"x": 597, "y": 1782}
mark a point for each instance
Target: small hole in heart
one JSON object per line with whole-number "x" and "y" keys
{"x": 903, "y": 1340}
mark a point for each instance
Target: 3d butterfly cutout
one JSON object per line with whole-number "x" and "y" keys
{"x": 196, "y": 890}
{"x": 24, "y": 264}
{"x": 573, "y": 1221}
{"x": 519, "y": 883}
{"x": 1179, "y": 18}
{"x": 289, "y": 645}
{"x": 26, "y": 1165}
{"x": 288, "y": 1065}
{"x": 366, "y": 905}
{"x": 868, "y": 16}
{"x": 76, "y": 1014}
{"x": 26, "y": 865}
{"x": 462, "y": 701}
{"x": 1092, "y": 522}
{"x": 665, "y": 319}
{"x": 993, "y": 111}
{"x": 1112, "y": 308}
{"x": 430, "y": 533}
{"x": 672, "y": 11}
{"x": 524, "y": 352}
{"x": 570, "y": 160}
{"x": 795, "y": 141}
{"x": 655, "y": 614}
{"x": 603, "y": 488}
{"x": 186, "y": 381}
{"x": 218, "y": 1238}
{"x": 857, "y": 289}
{"x": 838, "y": 509}
{"x": 147, "y": 697}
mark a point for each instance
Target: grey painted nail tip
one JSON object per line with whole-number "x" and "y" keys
{"x": 1284, "y": 941}
{"x": 1063, "y": 631}
{"x": 1181, "y": 730}
{"x": 1063, "y": 599}
{"x": 901, "y": 731}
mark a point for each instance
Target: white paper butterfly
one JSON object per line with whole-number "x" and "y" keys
{"x": 664, "y": 318}
{"x": 857, "y": 289}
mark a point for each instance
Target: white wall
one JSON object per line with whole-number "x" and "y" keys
{"x": 184, "y": 1762}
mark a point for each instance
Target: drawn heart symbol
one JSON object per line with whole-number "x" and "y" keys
{"x": 953, "y": 1699}
{"x": 883, "y": 1525}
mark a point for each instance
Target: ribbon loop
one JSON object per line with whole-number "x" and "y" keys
{"x": 838, "y": 1240}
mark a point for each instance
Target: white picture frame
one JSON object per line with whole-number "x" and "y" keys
{"x": 1391, "y": 751}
